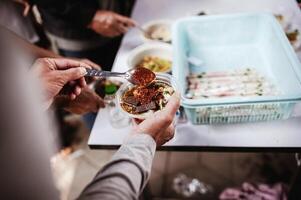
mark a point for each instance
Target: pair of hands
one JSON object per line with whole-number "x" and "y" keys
{"x": 67, "y": 76}
{"x": 110, "y": 24}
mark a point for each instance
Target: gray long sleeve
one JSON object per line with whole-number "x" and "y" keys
{"x": 126, "y": 174}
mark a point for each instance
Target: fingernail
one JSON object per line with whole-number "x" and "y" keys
{"x": 83, "y": 70}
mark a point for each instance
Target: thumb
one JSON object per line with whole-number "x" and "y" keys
{"x": 73, "y": 74}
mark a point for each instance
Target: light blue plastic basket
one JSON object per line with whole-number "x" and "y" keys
{"x": 229, "y": 42}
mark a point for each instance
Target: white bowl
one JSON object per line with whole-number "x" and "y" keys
{"x": 152, "y": 26}
{"x": 161, "y": 50}
{"x": 165, "y": 78}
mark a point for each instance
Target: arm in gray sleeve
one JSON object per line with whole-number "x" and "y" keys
{"x": 126, "y": 174}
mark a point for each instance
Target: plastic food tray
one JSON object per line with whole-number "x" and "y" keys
{"x": 234, "y": 41}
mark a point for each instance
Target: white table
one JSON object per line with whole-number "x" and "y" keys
{"x": 277, "y": 135}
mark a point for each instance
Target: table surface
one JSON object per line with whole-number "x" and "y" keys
{"x": 262, "y": 136}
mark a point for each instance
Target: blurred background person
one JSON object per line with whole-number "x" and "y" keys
{"x": 86, "y": 29}
{"x": 17, "y": 16}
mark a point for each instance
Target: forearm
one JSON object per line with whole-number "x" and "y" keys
{"x": 39, "y": 52}
{"x": 33, "y": 50}
{"x": 127, "y": 173}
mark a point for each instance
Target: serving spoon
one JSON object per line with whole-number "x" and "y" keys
{"x": 136, "y": 76}
{"x": 143, "y": 31}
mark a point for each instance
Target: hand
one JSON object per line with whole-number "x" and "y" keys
{"x": 90, "y": 63}
{"x": 249, "y": 191}
{"x": 110, "y": 24}
{"x": 87, "y": 101}
{"x": 160, "y": 124}
{"x": 26, "y": 5}
{"x": 60, "y": 75}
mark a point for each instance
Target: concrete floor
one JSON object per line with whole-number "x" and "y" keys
{"x": 74, "y": 171}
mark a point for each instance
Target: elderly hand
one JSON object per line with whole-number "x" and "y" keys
{"x": 60, "y": 75}
{"x": 110, "y": 24}
{"x": 160, "y": 124}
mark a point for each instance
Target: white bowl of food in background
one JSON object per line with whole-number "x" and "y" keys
{"x": 158, "y": 31}
{"x": 153, "y": 56}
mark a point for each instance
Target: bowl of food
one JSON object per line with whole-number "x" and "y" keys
{"x": 155, "y": 57}
{"x": 158, "y": 30}
{"x": 141, "y": 101}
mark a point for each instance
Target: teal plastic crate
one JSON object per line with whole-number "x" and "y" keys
{"x": 225, "y": 42}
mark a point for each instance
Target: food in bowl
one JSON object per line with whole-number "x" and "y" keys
{"x": 160, "y": 32}
{"x": 241, "y": 82}
{"x": 155, "y": 63}
{"x": 140, "y": 99}
{"x": 157, "y": 30}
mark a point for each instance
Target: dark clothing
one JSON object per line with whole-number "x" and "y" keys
{"x": 103, "y": 55}
{"x": 70, "y": 18}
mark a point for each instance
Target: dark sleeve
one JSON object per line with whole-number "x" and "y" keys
{"x": 126, "y": 175}
{"x": 79, "y": 12}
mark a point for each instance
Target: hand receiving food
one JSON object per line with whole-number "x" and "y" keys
{"x": 160, "y": 124}
{"x": 60, "y": 75}
{"x": 111, "y": 24}
{"x": 87, "y": 101}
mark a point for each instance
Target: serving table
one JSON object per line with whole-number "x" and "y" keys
{"x": 282, "y": 135}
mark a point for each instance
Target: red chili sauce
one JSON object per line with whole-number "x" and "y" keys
{"x": 142, "y": 76}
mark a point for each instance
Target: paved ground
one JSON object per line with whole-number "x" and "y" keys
{"x": 74, "y": 171}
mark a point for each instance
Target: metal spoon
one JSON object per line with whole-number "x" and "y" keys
{"x": 136, "y": 76}
{"x": 146, "y": 34}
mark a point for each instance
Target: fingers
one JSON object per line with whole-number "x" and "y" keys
{"x": 126, "y": 21}
{"x": 120, "y": 28}
{"x": 165, "y": 135}
{"x": 99, "y": 102}
{"x": 267, "y": 189}
{"x": 82, "y": 82}
{"x": 77, "y": 90}
{"x": 159, "y": 125}
{"x": 165, "y": 117}
{"x": 248, "y": 187}
{"x": 72, "y": 74}
{"x": 64, "y": 63}
{"x": 172, "y": 106}
{"x": 230, "y": 193}
{"x": 263, "y": 195}
{"x": 72, "y": 96}
{"x": 91, "y": 63}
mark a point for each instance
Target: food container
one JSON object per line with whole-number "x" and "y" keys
{"x": 156, "y": 25}
{"x": 166, "y": 78}
{"x": 151, "y": 49}
{"x": 225, "y": 42}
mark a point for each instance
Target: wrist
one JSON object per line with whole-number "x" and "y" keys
{"x": 143, "y": 136}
